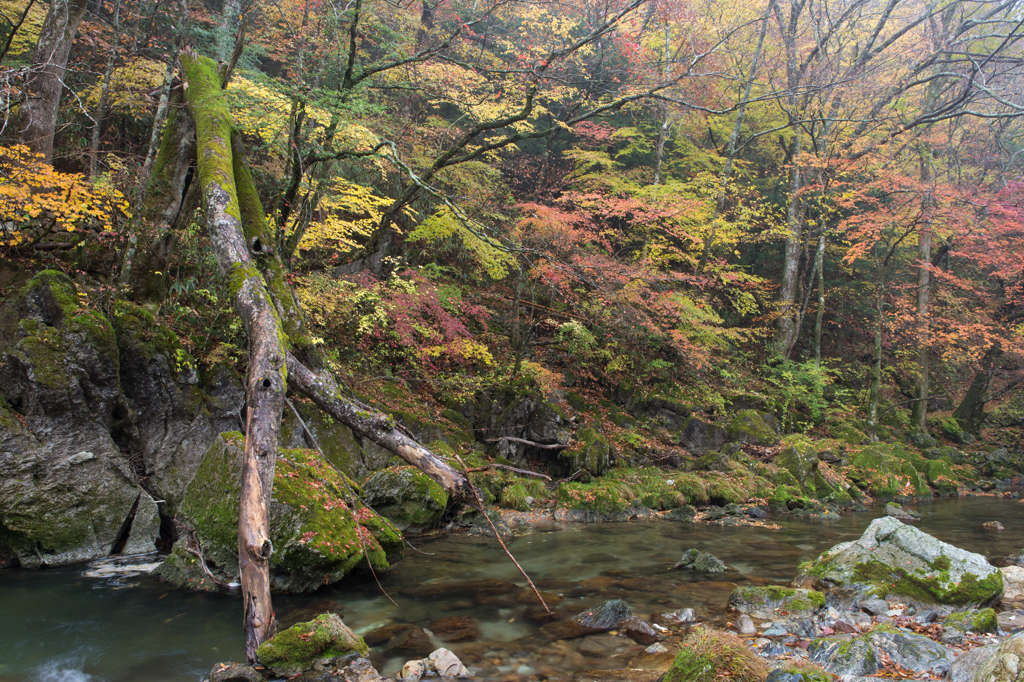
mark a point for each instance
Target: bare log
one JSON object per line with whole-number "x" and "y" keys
{"x": 532, "y": 444}
{"x": 378, "y": 427}
{"x": 265, "y": 384}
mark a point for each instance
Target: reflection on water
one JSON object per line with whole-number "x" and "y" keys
{"x": 60, "y": 625}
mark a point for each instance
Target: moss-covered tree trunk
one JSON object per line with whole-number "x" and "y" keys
{"x": 265, "y": 383}
{"x": 278, "y": 339}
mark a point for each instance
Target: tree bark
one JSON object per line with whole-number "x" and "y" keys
{"x": 145, "y": 268}
{"x": 919, "y": 412}
{"x": 37, "y": 117}
{"x": 970, "y": 413}
{"x": 265, "y": 384}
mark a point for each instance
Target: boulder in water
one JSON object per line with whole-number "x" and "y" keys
{"x": 310, "y": 646}
{"x": 892, "y": 558}
{"x": 701, "y": 561}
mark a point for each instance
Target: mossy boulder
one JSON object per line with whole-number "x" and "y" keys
{"x": 336, "y": 440}
{"x": 310, "y": 646}
{"x": 849, "y": 433}
{"x": 800, "y": 459}
{"x": 864, "y": 654}
{"x": 785, "y": 498}
{"x": 406, "y": 496}
{"x": 888, "y": 470}
{"x": 975, "y": 620}
{"x": 1003, "y": 664}
{"x": 710, "y": 655}
{"x": 317, "y": 538}
{"x": 751, "y": 426}
{"x": 775, "y": 601}
{"x": 947, "y": 452}
{"x": 940, "y": 475}
{"x": 67, "y": 493}
{"x": 591, "y": 452}
{"x": 892, "y": 558}
{"x": 799, "y": 672}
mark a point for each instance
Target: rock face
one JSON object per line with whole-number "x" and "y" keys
{"x": 892, "y": 558}
{"x": 1002, "y": 664}
{"x": 406, "y": 496}
{"x": 67, "y": 493}
{"x": 310, "y": 646}
{"x": 774, "y": 601}
{"x": 316, "y": 537}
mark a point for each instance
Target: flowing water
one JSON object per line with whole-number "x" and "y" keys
{"x": 98, "y": 624}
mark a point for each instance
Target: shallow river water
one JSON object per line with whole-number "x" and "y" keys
{"x": 62, "y": 625}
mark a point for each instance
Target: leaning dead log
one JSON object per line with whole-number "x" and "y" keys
{"x": 265, "y": 384}
{"x": 379, "y": 428}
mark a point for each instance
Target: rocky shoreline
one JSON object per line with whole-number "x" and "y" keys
{"x": 896, "y": 603}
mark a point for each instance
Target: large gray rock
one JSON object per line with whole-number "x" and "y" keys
{"x": 67, "y": 493}
{"x": 1005, "y": 664}
{"x": 406, "y": 496}
{"x": 892, "y": 558}
{"x": 774, "y": 601}
{"x": 843, "y": 655}
{"x": 967, "y": 664}
{"x": 701, "y": 437}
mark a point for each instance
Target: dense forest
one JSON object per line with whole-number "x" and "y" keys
{"x": 643, "y": 209}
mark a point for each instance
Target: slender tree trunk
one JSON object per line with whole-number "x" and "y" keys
{"x": 819, "y": 264}
{"x": 160, "y": 116}
{"x": 265, "y": 384}
{"x": 919, "y": 412}
{"x": 787, "y": 325}
{"x": 101, "y": 107}
{"x": 230, "y": 18}
{"x": 730, "y": 150}
{"x": 37, "y": 117}
{"x": 659, "y": 149}
{"x": 875, "y": 389}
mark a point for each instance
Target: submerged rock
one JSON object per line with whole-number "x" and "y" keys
{"x": 701, "y": 561}
{"x": 607, "y": 615}
{"x": 310, "y": 646}
{"x": 892, "y": 558}
{"x": 897, "y": 512}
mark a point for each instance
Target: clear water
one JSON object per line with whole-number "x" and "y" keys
{"x": 62, "y": 626}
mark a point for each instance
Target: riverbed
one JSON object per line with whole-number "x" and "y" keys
{"x": 66, "y": 625}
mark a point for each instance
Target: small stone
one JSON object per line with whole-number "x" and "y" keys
{"x": 843, "y": 626}
{"x": 894, "y": 612}
{"x": 874, "y": 606}
{"x": 412, "y": 671}
{"x": 656, "y": 648}
{"x": 447, "y": 664}
{"x": 992, "y": 525}
{"x": 745, "y": 625}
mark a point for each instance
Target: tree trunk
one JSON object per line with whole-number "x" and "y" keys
{"x": 242, "y": 241}
{"x": 37, "y": 117}
{"x": 145, "y": 267}
{"x": 819, "y": 264}
{"x": 101, "y": 107}
{"x": 970, "y": 413}
{"x": 919, "y": 413}
{"x": 265, "y": 384}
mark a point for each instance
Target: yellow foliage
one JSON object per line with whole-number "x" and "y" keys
{"x": 348, "y": 211}
{"x": 31, "y": 191}
{"x": 445, "y": 225}
{"x": 465, "y": 350}
{"x": 129, "y": 86}
{"x": 28, "y": 35}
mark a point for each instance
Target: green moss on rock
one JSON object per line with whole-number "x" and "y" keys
{"x": 977, "y": 620}
{"x": 310, "y": 646}
{"x": 750, "y": 426}
{"x": 406, "y": 496}
{"x": 590, "y": 452}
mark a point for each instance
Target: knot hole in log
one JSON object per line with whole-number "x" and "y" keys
{"x": 266, "y": 549}
{"x": 266, "y": 383}
{"x": 258, "y": 248}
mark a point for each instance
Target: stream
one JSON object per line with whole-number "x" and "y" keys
{"x": 88, "y": 623}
